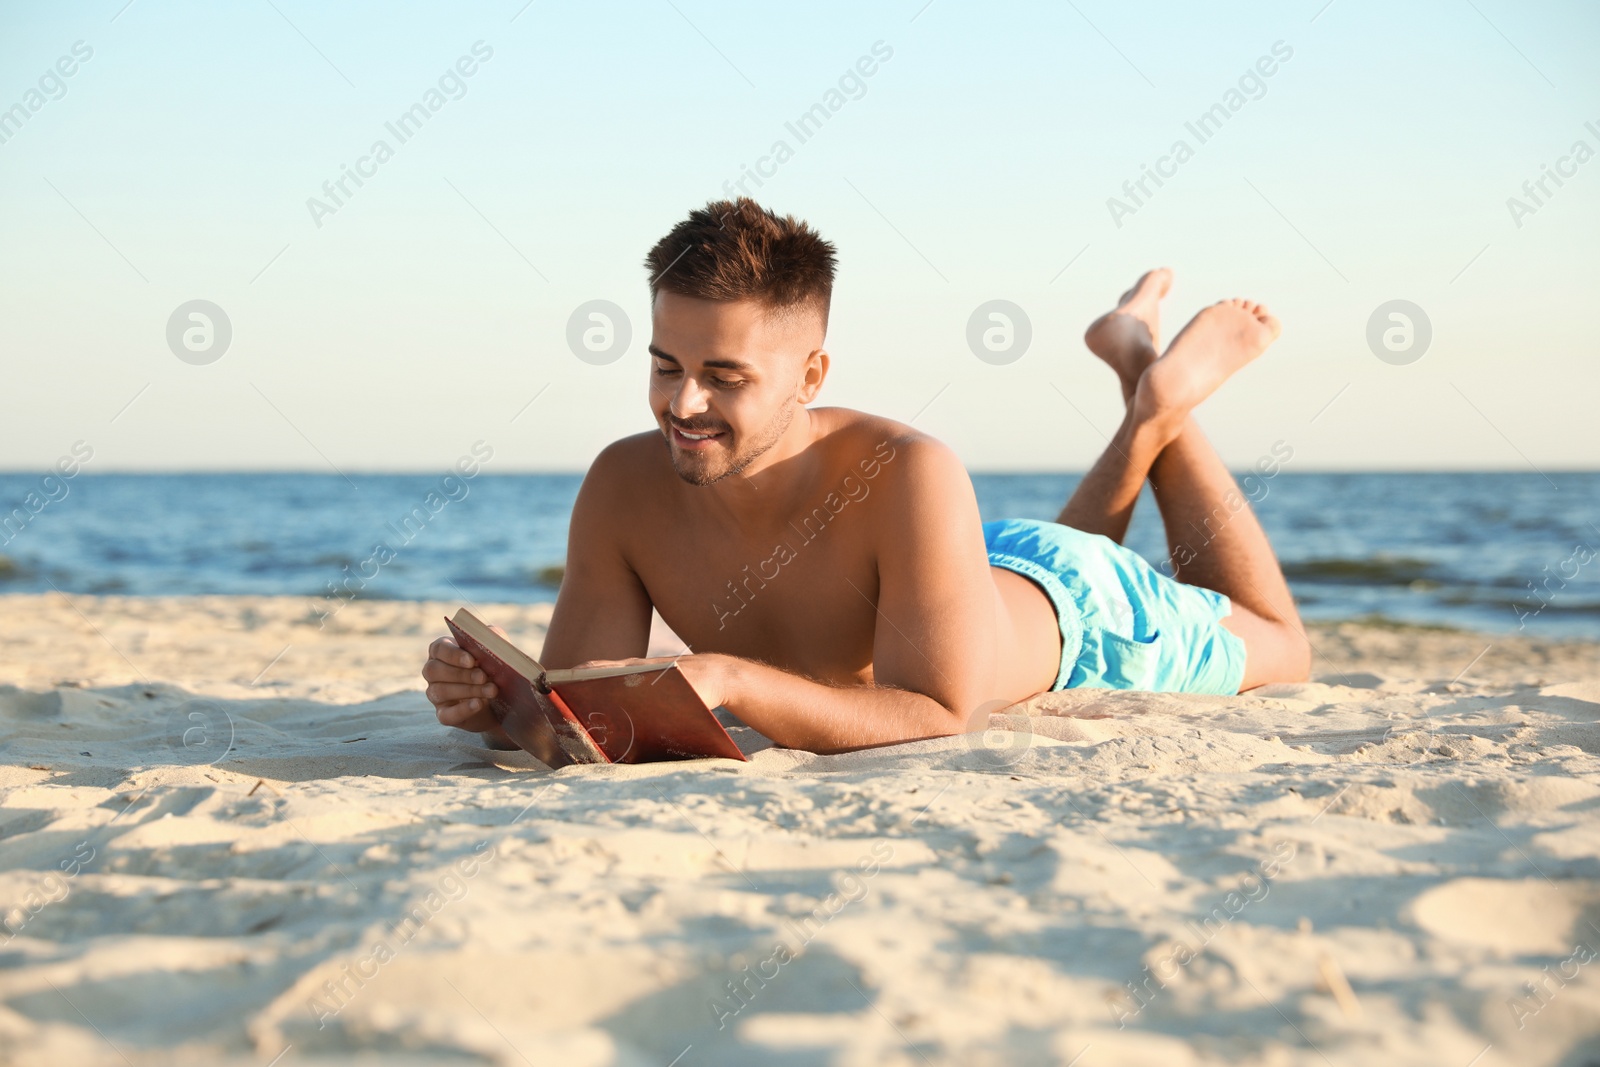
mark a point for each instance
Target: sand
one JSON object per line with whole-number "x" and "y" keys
{"x": 229, "y": 836}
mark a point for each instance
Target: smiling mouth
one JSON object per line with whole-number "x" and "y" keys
{"x": 690, "y": 439}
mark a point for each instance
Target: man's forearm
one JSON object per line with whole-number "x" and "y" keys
{"x": 797, "y": 712}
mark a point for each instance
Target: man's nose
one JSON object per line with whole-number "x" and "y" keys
{"x": 689, "y": 400}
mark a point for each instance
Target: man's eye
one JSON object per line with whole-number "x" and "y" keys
{"x": 728, "y": 383}
{"x": 666, "y": 370}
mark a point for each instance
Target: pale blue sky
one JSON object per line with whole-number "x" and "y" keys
{"x": 976, "y": 165}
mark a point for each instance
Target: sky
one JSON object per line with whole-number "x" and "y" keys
{"x": 983, "y": 158}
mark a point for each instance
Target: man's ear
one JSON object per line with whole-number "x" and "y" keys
{"x": 812, "y": 374}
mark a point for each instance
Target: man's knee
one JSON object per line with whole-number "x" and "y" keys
{"x": 1275, "y": 650}
{"x": 1291, "y": 654}
{"x": 1300, "y": 655}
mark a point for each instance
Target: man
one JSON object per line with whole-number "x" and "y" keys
{"x": 828, "y": 569}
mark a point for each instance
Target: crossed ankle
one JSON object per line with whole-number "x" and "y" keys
{"x": 1154, "y": 404}
{"x": 1155, "y": 428}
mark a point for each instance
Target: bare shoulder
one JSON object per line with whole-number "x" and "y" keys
{"x": 898, "y": 457}
{"x": 625, "y": 479}
{"x": 628, "y": 465}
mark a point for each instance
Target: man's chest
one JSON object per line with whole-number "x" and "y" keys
{"x": 801, "y": 596}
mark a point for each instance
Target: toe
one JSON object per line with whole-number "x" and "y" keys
{"x": 1154, "y": 283}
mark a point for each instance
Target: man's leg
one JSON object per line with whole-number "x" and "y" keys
{"x": 1217, "y": 543}
{"x": 1127, "y": 338}
{"x": 1213, "y": 536}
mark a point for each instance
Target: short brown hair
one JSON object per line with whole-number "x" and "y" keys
{"x": 739, "y": 250}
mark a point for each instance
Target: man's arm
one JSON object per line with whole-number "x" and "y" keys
{"x": 934, "y": 654}
{"x": 602, "y": 610}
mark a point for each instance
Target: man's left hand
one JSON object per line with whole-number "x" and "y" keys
{"x": 710, "y": 674}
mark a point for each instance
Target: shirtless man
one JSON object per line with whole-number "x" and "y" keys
{"x": 828, "y": 569}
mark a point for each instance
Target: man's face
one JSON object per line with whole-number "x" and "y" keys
{"x": 725, "y": 379}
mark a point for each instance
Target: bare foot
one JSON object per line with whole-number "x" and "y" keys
{"x": 1129, "y": 335}
{"x": 1216, "y": 343}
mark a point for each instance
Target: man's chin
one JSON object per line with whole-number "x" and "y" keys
{"x": 705, "y": 466}
{"x": 700, "y": 473}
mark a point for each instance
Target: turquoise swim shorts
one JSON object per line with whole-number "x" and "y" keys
{"x": 1124, "y": 625}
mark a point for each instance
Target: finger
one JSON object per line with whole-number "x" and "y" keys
{"x": 454, "y": 714}
{"x": 434, "y": 671}
{"x": 438, "y": 671}
{"x": 445, "y": 693}
{"x": 446, "y": 650}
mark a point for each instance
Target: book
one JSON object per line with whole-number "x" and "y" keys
{"x": 642, "y": 713}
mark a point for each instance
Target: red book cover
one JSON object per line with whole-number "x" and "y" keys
{"x": 524, "y": 709}
{"x": 646, "y": 716}
{"x": 637, "y": 714}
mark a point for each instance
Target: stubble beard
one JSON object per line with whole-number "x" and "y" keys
{"x": 697, "y": 473}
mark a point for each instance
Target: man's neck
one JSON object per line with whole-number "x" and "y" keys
{"x": 776, "y": 481}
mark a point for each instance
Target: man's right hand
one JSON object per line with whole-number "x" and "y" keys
{"x": 458, "y": 689}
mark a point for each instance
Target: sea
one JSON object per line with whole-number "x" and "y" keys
{"x": 1501, "y": 552}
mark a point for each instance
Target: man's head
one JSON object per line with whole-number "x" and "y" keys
{"x": 739, "y": 311}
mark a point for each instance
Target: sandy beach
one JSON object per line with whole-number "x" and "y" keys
{"x": 231, "y": 836}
